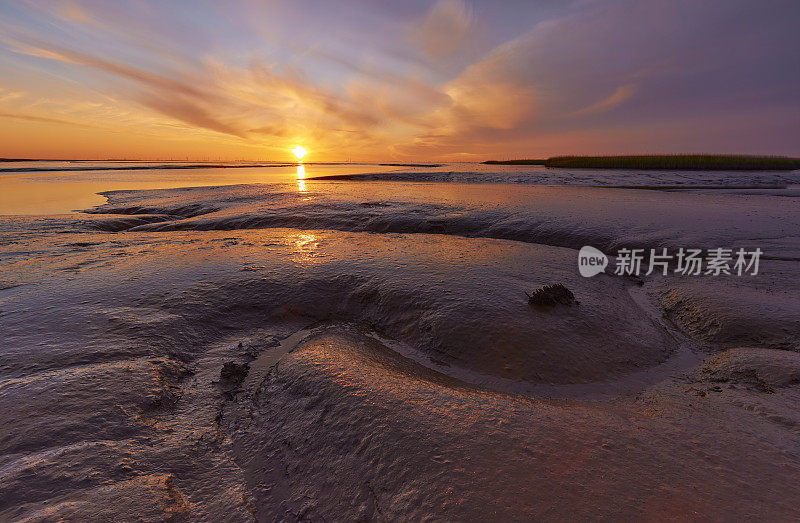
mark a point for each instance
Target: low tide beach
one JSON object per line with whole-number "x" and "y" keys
{"x": 355, "y": 341}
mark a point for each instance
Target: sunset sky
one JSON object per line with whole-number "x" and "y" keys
{"x": 405, "y": 80}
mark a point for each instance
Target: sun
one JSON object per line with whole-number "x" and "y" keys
{"x": 299, "y": 152}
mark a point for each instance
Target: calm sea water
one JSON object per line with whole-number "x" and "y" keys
{"x": 57, "y": 187}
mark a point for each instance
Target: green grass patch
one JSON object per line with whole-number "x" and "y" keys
{"x": 705, "y": 162}
{"x": 700, "y": 162}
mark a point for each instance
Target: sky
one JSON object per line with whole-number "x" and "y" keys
{"x": 361, "y": 80}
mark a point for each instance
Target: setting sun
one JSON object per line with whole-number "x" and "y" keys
{"x": 299, "y": 152}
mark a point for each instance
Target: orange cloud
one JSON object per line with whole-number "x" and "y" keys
{"x": 444, "y": 27}
{"x": 619, "y": 96}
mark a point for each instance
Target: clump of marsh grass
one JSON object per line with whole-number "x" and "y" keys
{"x": 551, "y": 295}
{"x": 684, "y": 162}
{"x": 233, "y": 374}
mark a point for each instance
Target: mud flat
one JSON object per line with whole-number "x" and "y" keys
{"x": 383, "y": 361}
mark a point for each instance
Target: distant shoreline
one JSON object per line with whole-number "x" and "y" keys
{"x": 515, "y": 162}
{"x": 634, "y": 162}
{"x": 180, "y": 165}
{"x": 139, "y": 168}
{"x": 673, "y": 162}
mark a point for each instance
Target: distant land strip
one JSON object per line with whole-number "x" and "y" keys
{"x": 677, "y": 162}
{"x": 139, "y": 167}
{"x": 516, "y": 162}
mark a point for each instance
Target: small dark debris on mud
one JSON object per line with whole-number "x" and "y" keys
{"x": 233, "y": 374}
{"x": 551, "y": 295}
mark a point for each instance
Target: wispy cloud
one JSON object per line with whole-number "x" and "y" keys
{"x": 619, "y": 96}
{"x": 32, "y": 118}
{"x": 444, "y": 27}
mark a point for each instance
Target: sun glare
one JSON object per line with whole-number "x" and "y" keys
{"x": 299, "y": 152}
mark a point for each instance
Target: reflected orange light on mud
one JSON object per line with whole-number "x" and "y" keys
{"x": 306, "y": 248}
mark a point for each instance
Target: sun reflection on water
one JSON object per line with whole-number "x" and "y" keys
{"x": 301, "y": 174}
